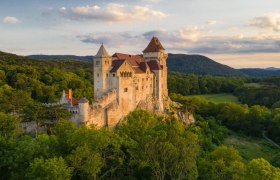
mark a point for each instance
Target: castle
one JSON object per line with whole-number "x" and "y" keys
{"x": 122, "y": 83}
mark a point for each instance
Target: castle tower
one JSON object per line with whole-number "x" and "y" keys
{"x": 154, "y": 54}
{"x": 101, "y": 67}
{"x": 83, "y": 110}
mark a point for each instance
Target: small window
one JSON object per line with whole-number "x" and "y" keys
{"x": 125, "y": 89}
{"x": 97, "y": 63}
{"x": 107, "y": 75}
{"x": 114, "y": 75}
{"x": 137, "y": 88}
{"x": 97, "y": 74}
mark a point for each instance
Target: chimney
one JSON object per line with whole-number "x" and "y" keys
{"x": 69, "y": 94}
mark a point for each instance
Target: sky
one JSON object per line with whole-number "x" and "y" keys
{"x": 239, "y": 33}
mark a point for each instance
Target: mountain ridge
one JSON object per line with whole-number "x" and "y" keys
{"x": 176, "y": 62}
{"x": 184, "y": 63}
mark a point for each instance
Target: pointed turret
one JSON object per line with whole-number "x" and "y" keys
{"x": 102, "y": 52}
{"x": 154, "y": 46}
{"x": 102, "y": 62}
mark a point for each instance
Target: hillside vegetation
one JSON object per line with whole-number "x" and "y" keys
{"x": 42, "y": 81}
{"x": 143, "y": 146}
{"x": 195, "y": 64}
{"x": 198, "y": 64}
{"x": 257, "y": 72}
{"x": 218, "y": 98}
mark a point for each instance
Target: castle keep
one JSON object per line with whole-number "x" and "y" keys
{"x": 122, "y": 83}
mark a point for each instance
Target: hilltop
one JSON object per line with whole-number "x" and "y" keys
{"x": 258, "y": 72}
{"x": 68, "y": 65}
{"x": 199, "y": 64}
{"x": 196, "y": 64}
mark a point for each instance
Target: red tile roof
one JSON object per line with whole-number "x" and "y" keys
{"x": 74, "y": 101}
{"x": 134, "y": 60}
{"x": 154, "y": 65}
{"x": 117, "y": 64}
{"x": 144, "y": 66}
{"x": 137, "y": 63}
{"x": 154, "y": 46}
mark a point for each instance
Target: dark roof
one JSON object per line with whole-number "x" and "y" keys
{"x": 74, "y": 101}
{"x": 154, "y": 46}
{"x": 102, "y": 52}
{"x": 134, "y": 60}
{"x": 154, "y": 65}
{"x": 144, "y": 66}
{"x": 117, "y": 64}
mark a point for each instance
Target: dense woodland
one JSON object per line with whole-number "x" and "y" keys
{"x": 251, "y": 91}
{"x": 144, "y": 145}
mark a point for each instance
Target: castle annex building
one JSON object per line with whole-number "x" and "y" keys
{"x": 122, "y": 83}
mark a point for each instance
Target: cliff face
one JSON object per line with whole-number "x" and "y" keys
{"x": 170, "y": 108}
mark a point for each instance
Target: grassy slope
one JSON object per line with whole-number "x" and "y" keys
{"x": 218, "y": 98}
{"x": 250, "y": 148}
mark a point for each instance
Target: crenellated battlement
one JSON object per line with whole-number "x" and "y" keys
{"x": 105, "y": 100}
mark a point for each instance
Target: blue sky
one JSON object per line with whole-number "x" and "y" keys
{"x": 240, "y": 33}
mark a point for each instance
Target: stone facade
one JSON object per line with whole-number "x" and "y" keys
{"x": 123, "y": 82}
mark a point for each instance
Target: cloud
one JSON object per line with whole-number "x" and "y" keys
{"x": 268, "y": 21}
{"x": 11, "y": 20}
{"x": 211, "y": 22}
{"x": 110, "y": 13}
{"x": 188, "y": 40}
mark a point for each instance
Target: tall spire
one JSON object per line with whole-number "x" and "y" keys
{"x": 154, "y": 46}
{"x": 102, "y": 52}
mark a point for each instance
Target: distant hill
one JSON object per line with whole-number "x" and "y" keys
{"x": 196, "y": 64}
{"x": 61, "y": 57}
{"x": 258, "y": 72}
{"x": 272, "y": 69}
{"x": 199, "y": 64}
{"x": 69, "y": 65}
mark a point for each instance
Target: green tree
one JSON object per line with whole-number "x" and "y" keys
{"x": 162, "y": 146}
{"x": 87, "y": 162}
{"x": 261, "y": 169}
{"x": 35, "y": 112}
{"x": 9, "y": 126}
{"x": 49, "y": 169}
{"x": 223, "y": 163}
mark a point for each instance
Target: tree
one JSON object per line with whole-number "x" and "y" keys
{"x": 9, "y": 126}
{"x": 87, "y": 162}
{"x": 276, "y": 105}
{"x": 35, "y": 112}
{"x": 273, "y": 128}
{"x": 223, "y": 163}
{"x": 13, "y": 100}
{"x": 256, "y": 120}
{"x": 163, "y": 146}
{"x": 232, "y": 115}
{"x": 56, "y": 113}
{"x": 262, "y": 170}
{"x": 49, "y": 169}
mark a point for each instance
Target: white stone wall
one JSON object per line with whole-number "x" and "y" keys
{"x": 101, "y": 73}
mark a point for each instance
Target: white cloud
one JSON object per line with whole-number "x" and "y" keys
{"x": 190, "y": 33}
{"x": 189, "y": 40}
{"x": 110, "y": 13}
{"x": 268, "y": 21}
{"x": 11, "y": 20}
{"x": 211, "y": 22}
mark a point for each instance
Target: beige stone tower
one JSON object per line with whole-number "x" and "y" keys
{"x": 101, "y": 67}
{"x": 155, "y": 56}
